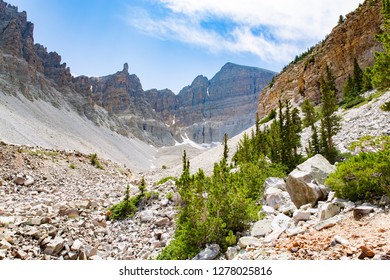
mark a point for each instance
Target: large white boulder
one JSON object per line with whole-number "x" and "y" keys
{"x": 305, "y": 184}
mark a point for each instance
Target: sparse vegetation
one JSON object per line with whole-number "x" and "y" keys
{"x": 371, "y": 142}
{"x": 72, "y": 166}
{"x": 93, "y": 159}
{"x": 129, "y": 205}
{"x": 381, "y": 69}
{"x": 166, "y": 179}
{"x": 386, "y": 106}
{"x": 269, "y": 117}
{"x": 365, "y": 176}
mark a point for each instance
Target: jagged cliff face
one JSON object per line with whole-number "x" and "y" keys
{"x": 121, "y": 94}
{"x": 207, "y": 109}
{"x": 354, "y": 38}
{"x": 204, "y": 111}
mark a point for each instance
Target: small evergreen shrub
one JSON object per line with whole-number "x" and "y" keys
{"x": 130, "y": 205}
{"x": 386, "y": 106}
{"x": 93, "y": 159}
{"x": 126, "y": 208}
{"x": 269, "y": 117}
{"x": 355, "y": 101}
{"x": 166, "y": 179}
{"x": 362, "y": 177}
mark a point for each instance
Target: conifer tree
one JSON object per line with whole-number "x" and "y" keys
{"x": 330, "y": 121}
{"x": 357, "y": 77}
{"x": 349, "y": 90}
{"x": 381, "y": 68}
{"x": 309, "y": 117}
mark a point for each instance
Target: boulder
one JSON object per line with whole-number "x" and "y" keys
{"x": 281, "y": 222}
{"x": 327, "y": 223}
{"x": 3, "y": 254}
{"x": 4, "y": 244}
{"x": 268, "y": 210}
{"x": 274, "y": 182}
{"x": 5, "y": 220}
{"x": 305, "y": 183}
{"x": 163, "y": 222}
{"x": 210, "y": 253}
{"x": 231, "y": 253}
{"x": 329, "y": 210}
{"x": 29, "y": 181}
{"x": 19, "y": 179}
{"x": 300, "y": 215}
{"x": 362, "y": 211}
{"x": 77, "y": 244}
{"x": 246, "y": 241}
{"x": 55, "y": 246}
{"x": 279, "y": 225}
{"x": 146, "y": 216}
{"x": 261, "y": 228}
{"x": 276, "y": 198}
{"x": 366, "y": 252}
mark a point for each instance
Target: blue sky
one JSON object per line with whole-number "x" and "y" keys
{"x": 167, "y": 43}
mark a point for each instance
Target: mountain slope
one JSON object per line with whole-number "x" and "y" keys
{"x": 354, "y": 38}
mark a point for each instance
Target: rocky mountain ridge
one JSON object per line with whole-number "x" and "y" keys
{"x": 207, "y": 109}
{"x": 154, "y": 116}
{"x": 353, "y": 38}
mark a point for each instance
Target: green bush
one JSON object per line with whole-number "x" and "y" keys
{"x": 269, "y": 117}
{"x": 166, "y": 179}
{"x": 93, "y": 159}
{"x": 130, "y": 205}
{"x": 126, "y": 208}
{"x": 386, "y": 106}
{"x": 362, "y": 177}
{"x": 353, "y": 102}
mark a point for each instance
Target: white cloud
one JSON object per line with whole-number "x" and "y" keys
{"x": 292, "y": 24}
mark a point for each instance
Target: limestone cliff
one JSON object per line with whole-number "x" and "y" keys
{"x": 207, "y": 109}
{"x": 353, "y": 38}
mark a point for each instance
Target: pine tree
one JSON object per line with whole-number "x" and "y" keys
{"x": 330, "y": 121}
{"x": 349, "y": 90}
{"x": 309, "y": 119}
{"x": 341, "y": 19}
{"x": 357, "y": 77}
{"x": 381, "y": 68}
{"x": 314, "y": 144}
{"x": 297, "y": 129}
{"x": 309, "y": 116}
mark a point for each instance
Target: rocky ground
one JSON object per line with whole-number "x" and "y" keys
{"x": 53, "y": 205}
{"x": 351, "y": 232}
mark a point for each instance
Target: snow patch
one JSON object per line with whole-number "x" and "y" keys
{"x": 188, "y": 141}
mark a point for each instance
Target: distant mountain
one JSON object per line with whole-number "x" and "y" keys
{"x": 353, "y": 38}
{"x": 203, "y": 111}
{"x": 207, "y": 109}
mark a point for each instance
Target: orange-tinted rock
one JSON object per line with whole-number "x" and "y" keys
{"x": 352, "y": 39}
